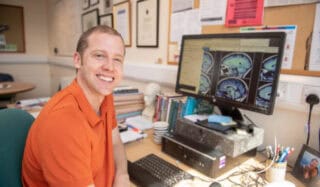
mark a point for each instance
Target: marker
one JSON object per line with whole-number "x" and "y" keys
{"x": 290, "y": 152}
{"x": 135, "y": 129}
{"x": 284, "y": 155}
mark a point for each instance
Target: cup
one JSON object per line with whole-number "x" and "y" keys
{"x": 277, "y": 171}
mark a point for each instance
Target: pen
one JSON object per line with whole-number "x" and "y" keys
{"x": 284, "y": 154}
{"x": 135, "y": 129}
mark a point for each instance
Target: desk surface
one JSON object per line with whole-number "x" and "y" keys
{"x": 7, "y": 88}
{"x": 139, "y": 149}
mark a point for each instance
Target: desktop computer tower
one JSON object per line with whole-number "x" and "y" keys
{"x": 231, "y": 144}
{"x": 206, "y": 160}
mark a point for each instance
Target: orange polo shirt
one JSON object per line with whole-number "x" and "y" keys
{"x": 69, "y": 144}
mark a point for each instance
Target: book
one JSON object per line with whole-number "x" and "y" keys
{"x": 129, "y": 102}
{"x": 124, "y": 90}
{"x": 128, "y": 97}
{"x": 128, "y": 114}
{"x": 129, "y": 108}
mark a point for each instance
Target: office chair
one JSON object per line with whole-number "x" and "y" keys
{"x": 14, "y": 127}
{"x": 5, "y": 77}
{"x": 5, "y": 99}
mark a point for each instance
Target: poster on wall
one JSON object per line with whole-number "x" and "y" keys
{"x": 122, "y": 21}
{"x": 147, "y": 23}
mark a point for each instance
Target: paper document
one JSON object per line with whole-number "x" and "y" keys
{"x": 196, "y": 117}
{"x": 36, "y": 101}
{"x": 130, "y": 136}
{"x": 139, "y": 122}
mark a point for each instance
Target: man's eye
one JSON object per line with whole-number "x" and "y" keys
{"x": 117, "y": 60}
{"x": 99, "y": 56}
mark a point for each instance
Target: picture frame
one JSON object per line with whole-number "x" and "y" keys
{"x": 108, "y": 6}
{"x": 122, "y": 21}
{"x": 307, "y": 166}
{"x": 90, "y": 19}
{"x": 85, "y": 4}
{"x": 147, "y": 33}
{"x": 94, "y": 2}
{"x": 106, "y": 19}
{"x": 115, "y": 2}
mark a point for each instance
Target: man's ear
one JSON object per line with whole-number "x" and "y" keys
{"x": 77, "y": 60}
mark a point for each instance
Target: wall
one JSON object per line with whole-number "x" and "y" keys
{"x": 134, "y": 55}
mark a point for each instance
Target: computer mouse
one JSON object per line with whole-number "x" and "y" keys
{"x": 215, "y": 184}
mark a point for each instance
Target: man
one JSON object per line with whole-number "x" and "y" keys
{"x": 75, "y": 141}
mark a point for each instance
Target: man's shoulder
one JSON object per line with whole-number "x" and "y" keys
{"x": 61, "y": 103}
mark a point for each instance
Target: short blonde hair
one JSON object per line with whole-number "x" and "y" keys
{"x": 83, "y": 40}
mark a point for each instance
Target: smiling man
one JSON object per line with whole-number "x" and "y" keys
{"x": 75, "y": 140}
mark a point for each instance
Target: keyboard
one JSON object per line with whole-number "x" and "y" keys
{"x": 153, "y": 171}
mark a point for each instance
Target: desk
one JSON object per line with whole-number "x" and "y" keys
{"x": 136, "y": 150}
{"x": 12, "y": 88}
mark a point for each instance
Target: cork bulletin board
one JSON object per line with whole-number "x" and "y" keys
{"x": 301, "y": 15}
{"x": 11, "y": 29}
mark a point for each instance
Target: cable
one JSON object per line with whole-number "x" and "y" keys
{"x": 312, "y": 99}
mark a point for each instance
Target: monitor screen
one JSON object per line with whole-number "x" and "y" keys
{"x": 238, "y": 70}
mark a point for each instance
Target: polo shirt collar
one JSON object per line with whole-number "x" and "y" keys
{"x": 85, "y": 106}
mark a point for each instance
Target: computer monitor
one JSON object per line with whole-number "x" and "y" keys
{"x": 233, "y": 70}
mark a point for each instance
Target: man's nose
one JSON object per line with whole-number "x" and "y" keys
{"x": 108, "y": 65}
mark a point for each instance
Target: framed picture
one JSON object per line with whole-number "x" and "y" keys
{"x": 118, "y": 1}
{"x": 90, "y": 19}
{"x": 307, "y": 166}
{"x": 94, "y": 2}
{"x": 85, "y": 4}
{"x": 108, "y": 6}
{"x": 147, "y": 23}
{"x": 122, "y": 21}
{"x": 106, "y": 19}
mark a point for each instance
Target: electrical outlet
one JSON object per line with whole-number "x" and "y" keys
{"x": 282, "y": 90}
{"x": 307, "y": 89}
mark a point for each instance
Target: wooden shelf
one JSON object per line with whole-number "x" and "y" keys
{"x": 301, "y": 72}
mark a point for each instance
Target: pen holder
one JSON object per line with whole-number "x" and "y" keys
{"x": 276, "y": 172}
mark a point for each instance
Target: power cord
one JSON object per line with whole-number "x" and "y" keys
{"x": 312, "y": 99}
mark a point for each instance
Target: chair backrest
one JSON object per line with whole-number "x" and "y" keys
{"x": 14, "y": 127}
{"x": 5, "y": 77}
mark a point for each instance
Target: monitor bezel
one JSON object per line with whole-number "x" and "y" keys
{"x": 225, "y": 103}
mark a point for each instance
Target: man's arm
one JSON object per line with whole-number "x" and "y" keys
{"x": 121, "y": 173}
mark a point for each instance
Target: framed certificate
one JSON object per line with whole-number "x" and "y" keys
{"x": 89, "y": 19}
{"x": 122, "y": 21}
{"x": 147, "y": 23}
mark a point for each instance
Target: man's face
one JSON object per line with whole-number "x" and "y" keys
{"x": 100, "y": 66}
{"x": 314, "y": 163}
